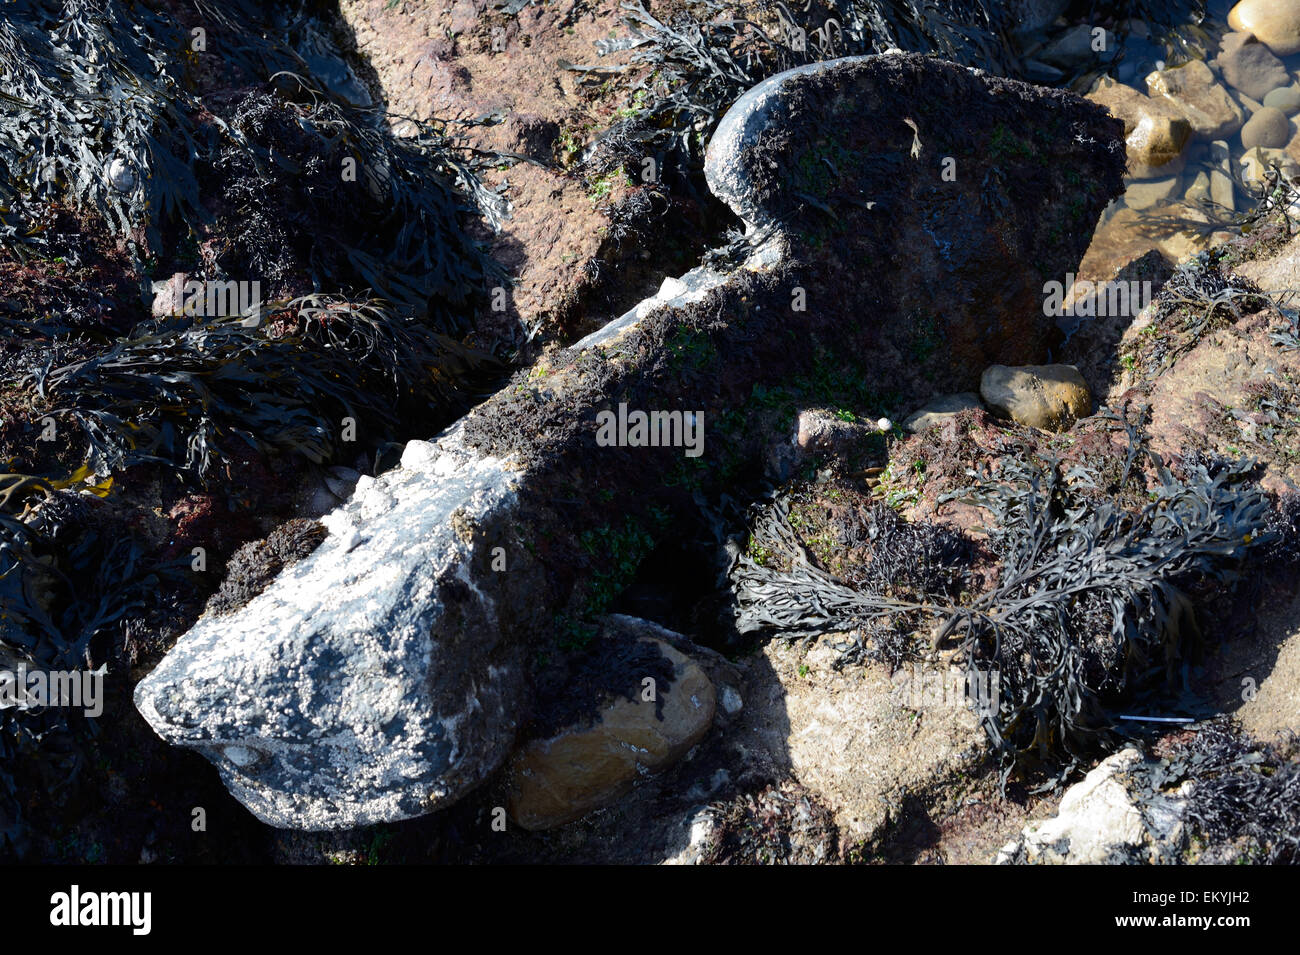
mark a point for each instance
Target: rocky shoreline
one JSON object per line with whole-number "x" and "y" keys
{"x": 1047, "y": 617}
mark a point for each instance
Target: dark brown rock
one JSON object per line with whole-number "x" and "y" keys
{"x": 849, "y": 158}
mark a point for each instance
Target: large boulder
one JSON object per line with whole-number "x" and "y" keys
{"x": 949, "y": 198}
{"x": 388, "y": 672}
{"x": 381, "y": 675}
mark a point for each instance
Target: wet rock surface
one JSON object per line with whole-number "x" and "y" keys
{"x": 561, "y": 777}
{"x": 1275, "y": 23}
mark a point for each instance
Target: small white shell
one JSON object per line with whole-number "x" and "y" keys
{"x": 120, "y": 175}
{"x": 884, "y": 424}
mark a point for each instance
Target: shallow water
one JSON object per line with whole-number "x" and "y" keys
{"x": 1177, "y": 212}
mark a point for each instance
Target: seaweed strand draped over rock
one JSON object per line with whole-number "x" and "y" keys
{"x": 416, "y": 655}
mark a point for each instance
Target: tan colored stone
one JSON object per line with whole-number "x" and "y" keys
{"x": 1199, "y": 190}
{"x": 559, "y": 779}
{"x": 1248, "y": 105}
{"x": 1220, "y": 157}
{"x": 1249, "y": 66}
{"x": 858, "y": 737}
{"x": 1155, "y": 147}
{"x": 1050, "y": 397}
{"x": 1124, "y": 102}
{"x": 1276, "y": 23}
{"x": 1285, "y": 98}
{"x": 1212, "y": 186}
{"x": 1156, "y": 133}
{"x": 1194, "y": 91}
{"x": 1268, "y": 128}
{"x": 1223, "y": 191}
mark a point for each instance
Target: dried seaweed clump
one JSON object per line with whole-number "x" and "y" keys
{"x": 66, "y": 577}
{"x": 1090, "y": 602}
{"x": 187, "y": 393}
{"x": 783, "y": 824}
{"x": 1244, "y": 805}
{"x": 913, "y": 558}
{"x": 1200, "y": 298}
{"x": 895, "y": 558}
{"x": 254, "y": 565}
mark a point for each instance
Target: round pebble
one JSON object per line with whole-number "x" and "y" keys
{"x": 120, "y": 175}
{"x": 1287, "y": 99}
{"x": 1268, "y": 128}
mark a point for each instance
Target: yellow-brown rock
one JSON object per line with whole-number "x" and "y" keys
{"x": 1275, "y": 23}
{"x": 561, "y": 778}
{"x": 1050, "y": 397}
{"x": 1155, "y": 131}
{"x": 1196, "y": 94}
